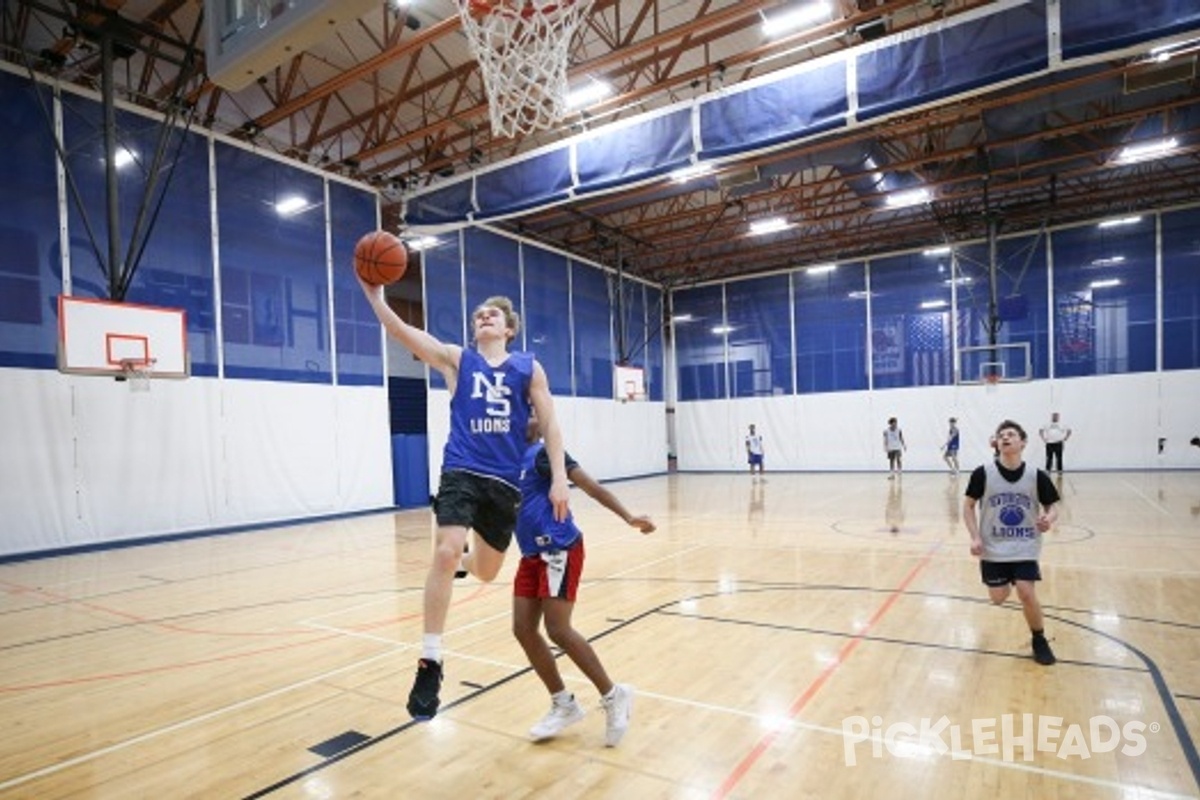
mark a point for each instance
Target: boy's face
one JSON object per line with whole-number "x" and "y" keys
{"x": 1009, "y": 441}
{"x": 490, "y": 324}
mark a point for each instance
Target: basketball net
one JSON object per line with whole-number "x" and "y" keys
{"x": 522, "y": 47}
{"x": 137, "y": 372}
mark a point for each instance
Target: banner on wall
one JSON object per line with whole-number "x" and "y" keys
{"x": 887, "y": 346}
{"x": 1076, "y": 329}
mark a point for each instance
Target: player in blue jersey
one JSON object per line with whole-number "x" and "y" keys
{"x": 493, "y": 394}
{"x": 950, "y": 448}
{"x": 1008, "y": 507}
{"x": 545, "y": 587}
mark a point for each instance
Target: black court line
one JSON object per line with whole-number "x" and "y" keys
{"x": 374, "y": 740}
{"x": 1164, "y": 694}
{"x": 1182, "y": 735}
{"x": 891, "y": 640}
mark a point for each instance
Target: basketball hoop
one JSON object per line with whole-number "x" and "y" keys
{"x": 991, "y": 381}
{"x": 522, "y": 47}
{"x": 137, "y": 372}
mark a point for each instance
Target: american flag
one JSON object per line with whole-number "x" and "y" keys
{"x": 929, "y": 348}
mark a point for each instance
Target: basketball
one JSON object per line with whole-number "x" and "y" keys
{"x": 380, "y": 258}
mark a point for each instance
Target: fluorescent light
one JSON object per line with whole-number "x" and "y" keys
{"x": 682, "y": 318}
{"x": 772, "y": 225}
{"x": 292, "y": 204}
{"x": 1108, "y": 283}
{"x": 963, "y": 281}
{"x": 796, "y": 17}
{"x": 821, "y": 269}
{"x": 722, "y": 329}
{"x": 690, "y": 172}
{"x": 590, "y": 93}
{"x": 1114, "y": 223}
{"x": 936, "y": 251}
{"x": 1145, "y": 152}
{"x": 422, "y": 243}
{"x": 928, "y": 304}
{"x": 1108, "y": 262}
{"x": 912, "y": 197}
{"x": 123, "y": 157}
{"x": 860, "y": 295}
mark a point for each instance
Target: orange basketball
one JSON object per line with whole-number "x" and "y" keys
{"x": 380, "y": 258}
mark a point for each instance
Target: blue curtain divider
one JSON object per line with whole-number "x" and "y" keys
{"x": 1010, "y": 41}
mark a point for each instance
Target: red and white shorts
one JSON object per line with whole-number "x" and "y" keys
{"x": 551, "y": 575}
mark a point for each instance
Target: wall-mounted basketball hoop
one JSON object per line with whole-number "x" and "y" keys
{"x": 522, "y": 47}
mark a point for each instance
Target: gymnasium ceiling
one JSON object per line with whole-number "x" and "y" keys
{"x": 396, "y": 99}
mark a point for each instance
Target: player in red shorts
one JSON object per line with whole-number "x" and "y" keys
{"x": 545, "y": 587}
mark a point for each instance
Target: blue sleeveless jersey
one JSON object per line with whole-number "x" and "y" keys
{"x": 489, "y": 412}
{"x": 537, "y": 530}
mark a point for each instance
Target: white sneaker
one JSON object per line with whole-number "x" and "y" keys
{"x": 560, "y": 717}
{"x": 619, "y": 708}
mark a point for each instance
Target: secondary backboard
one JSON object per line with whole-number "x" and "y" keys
{"x": 100, "y": 337}
{"x": 629, "y": 383}
{"x": 995, "y": 363}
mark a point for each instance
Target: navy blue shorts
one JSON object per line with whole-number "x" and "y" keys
{"x": 1002, "y": 573}
{"x": 486, "y": 505}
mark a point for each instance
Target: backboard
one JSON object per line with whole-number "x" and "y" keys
{"x": 629, "y": 383}
{"x": 100, "y": 337}
{"x": 996, "y": 363}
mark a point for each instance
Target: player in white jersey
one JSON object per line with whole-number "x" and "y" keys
{"x": 1016, "y": 505}
{"x": 754, "y": 450}
{"x": 894, "y": 446}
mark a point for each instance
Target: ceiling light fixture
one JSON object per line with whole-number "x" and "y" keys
{"x": 930, "y": 304}
{"x": 771, "y": 225}
{"x": 589, "y": 94}
{"x": 821, "y": 269}
{"x": 1116, "y": 223}
{"x": 912, "y": 197}
{"x": 1148, "y": 151}
{"x": 1107, "y": 283}
{"x": 291, "y": 205}
{"x": 796, "y": 17}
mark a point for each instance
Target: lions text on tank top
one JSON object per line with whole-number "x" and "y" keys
{"x": 1008, "y": 516}
{"x": 489, "y": 411}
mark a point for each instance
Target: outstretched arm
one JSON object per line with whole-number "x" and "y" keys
{"x": 609, "y": 500}
{"x": 443, "y": 357}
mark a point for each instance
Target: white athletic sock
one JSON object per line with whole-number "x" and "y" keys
{"x": 562, "y": 698}
{"x": 431, "y": 647}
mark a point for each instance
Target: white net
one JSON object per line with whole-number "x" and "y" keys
{"x": 138, "y": 373}
{"x": 522, "y": 47}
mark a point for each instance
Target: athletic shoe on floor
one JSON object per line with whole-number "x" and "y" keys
{"x": 1042, "y": 652}
{"x": 423, "y": 700}
{"x": 560, "y": 717}
{"x": 618, "y": 706}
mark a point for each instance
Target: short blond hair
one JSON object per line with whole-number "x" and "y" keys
{"x": 512, "y": 320}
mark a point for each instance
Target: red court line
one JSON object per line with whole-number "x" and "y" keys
{"x": 743, "y": 767}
